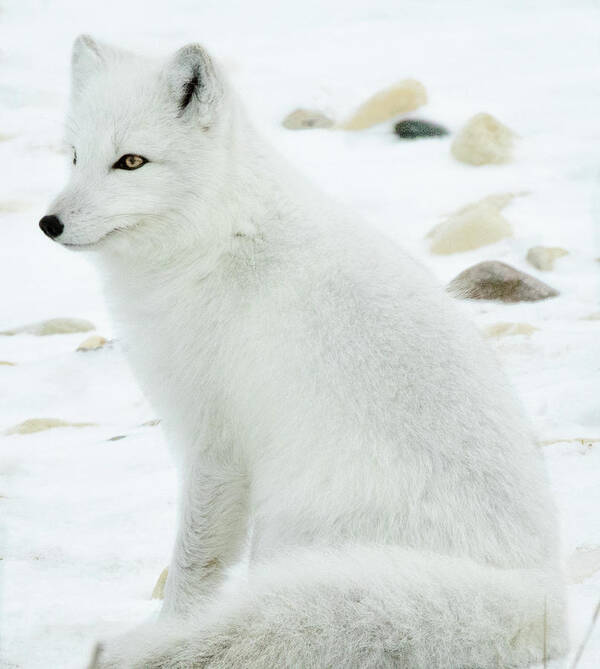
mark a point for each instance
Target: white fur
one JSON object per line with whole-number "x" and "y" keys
{"x": 325, "y": 400}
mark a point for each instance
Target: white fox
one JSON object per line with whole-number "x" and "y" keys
{"x": 331, "y": 411}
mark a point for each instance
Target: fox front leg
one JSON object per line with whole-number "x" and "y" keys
{"x": 211, "y": 534}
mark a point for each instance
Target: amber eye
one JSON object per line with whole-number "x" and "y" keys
{"x": 129, "y": 162}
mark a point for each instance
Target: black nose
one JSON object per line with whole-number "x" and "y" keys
{"x": 51, "y": 226}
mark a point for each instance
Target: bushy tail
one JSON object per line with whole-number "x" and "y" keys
{"x": 374, "y": 607}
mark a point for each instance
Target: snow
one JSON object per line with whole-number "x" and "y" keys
{"x": 87, "y": 522}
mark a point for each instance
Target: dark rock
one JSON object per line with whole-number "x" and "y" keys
{"x": 494, "y": 280}
{"x": 414, "y": 128}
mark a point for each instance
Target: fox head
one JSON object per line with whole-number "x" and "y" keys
{"x": 147, "y": 144}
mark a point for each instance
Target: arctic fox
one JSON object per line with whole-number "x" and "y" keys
{"x": 332, "y": 414}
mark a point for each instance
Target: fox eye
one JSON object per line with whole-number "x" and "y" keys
{"x": 129, "y": 162}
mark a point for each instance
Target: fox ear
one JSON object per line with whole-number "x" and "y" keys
{"x": 193, "y": 81}
{"x": 87, "y": 58}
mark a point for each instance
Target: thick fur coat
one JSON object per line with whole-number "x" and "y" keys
{"x": 332, "y": 414}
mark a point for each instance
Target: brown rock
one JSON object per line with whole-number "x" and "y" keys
{"x": 494, "y": 280}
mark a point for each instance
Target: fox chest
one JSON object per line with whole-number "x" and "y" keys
{"x": 179, "y": 357}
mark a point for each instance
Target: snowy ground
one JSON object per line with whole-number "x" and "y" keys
{"x": 86, "y": 521}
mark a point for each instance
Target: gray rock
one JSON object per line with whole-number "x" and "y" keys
{"x": 543, "y": 257}
{"x": 151, "y": 423}
{"x": 494, "y": 280}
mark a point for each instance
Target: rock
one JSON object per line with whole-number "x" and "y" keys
{"x": 543, "y": 257}
{"x": 92, "y": 343}
{"x": 159, "y": 588}
{"x": 474, "y": 225}
{"x": 5, "y": 362}
{"x": 405, "y": 96}
{"x": 583, "y": 441}
{"x": 494, "y": 280}
{"x": 151, "y": 423}
{"x": 414, "y": 128}
{"x": 583, "y": 563}
{"x": 52, "y": 326}
{"x": 13, "y": 206}
{"x": 39, "y": 424}
{"x": 304, "y": 119}
{"x": 508, "y": 329}
{"x": 483, "y": 140}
